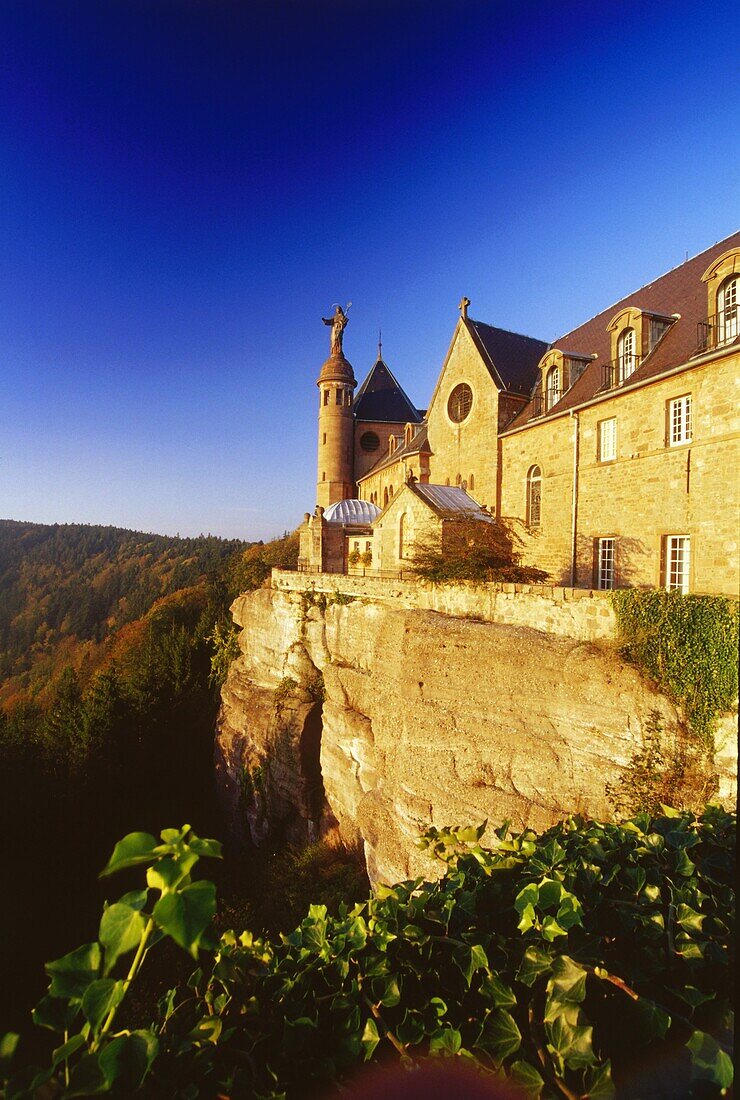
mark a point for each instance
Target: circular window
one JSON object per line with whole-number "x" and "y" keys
{"x": 369, "y": 442}
{"x": 460, "y": 403}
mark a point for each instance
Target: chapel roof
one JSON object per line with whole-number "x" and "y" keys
{"x": 381, "y": 399}
{"x": 511, "y": 358}
{"x": 448, "y": 500}
{"x": 680, "y": 291}
{"x": 352, "y": 512}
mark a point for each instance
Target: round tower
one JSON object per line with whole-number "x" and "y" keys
{"x": 336, "y": 384}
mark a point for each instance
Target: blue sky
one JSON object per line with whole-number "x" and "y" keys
{"x": 186, "y": 187}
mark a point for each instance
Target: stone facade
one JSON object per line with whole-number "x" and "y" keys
{"x": 658, "y": 506}
{"x": 648, "y": 491}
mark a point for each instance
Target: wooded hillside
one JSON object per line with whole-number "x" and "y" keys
{"x": 66, "y": 589}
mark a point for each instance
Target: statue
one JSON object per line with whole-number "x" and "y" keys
{"x": 338, "y": 324}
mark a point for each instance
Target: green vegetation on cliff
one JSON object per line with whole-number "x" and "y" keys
{"x": 592, "y": 961}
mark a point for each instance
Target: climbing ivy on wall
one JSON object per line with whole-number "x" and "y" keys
{"x": 689, "y": 644}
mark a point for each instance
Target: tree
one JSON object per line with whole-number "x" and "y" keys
{"x": 474, "y": 550}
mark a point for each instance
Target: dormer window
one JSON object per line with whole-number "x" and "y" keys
{"x": 391, "y": 444}
{"x": 728, "y": 310}
{"x": 552, "y": 387}
{"x": 722, "y": 325}
{"x": 626, "y": 357}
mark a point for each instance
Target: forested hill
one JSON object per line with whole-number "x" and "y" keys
{"x": 66, "y": 588}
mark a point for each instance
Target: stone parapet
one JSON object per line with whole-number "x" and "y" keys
{"x": 579, "y": 613}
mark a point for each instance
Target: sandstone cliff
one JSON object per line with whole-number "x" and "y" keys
{"x": 378, "y": 721}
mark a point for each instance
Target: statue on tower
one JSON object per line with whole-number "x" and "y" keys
{"x": 338, "y": 324}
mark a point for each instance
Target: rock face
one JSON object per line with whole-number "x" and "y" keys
{"x": 377, "y": 722}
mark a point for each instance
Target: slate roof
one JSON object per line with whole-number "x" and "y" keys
{"x": 511, "y": 358}
{"x": 678, "y": 291}
{"x": 418, "y": 442}
{"x": 380, "y": 398}
{"x": 448, "y": 500}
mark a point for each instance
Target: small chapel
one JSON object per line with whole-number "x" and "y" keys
{"x": 609, "y": 450}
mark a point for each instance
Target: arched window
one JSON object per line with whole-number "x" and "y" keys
{"x": 471, "y": 482}
{"x": 326, "y": 397}
{"x": 385, "y": 496}
{"x": 458, "y": 479}
{"x": 552, "y": 387}
{"x": 340, "y": 395}
{"x": 447, "y": 481}
{"x": 390, "y": 490}
{"x": 626, "y": 360}
{"x": 728, "y": 310}
{"x": 403, "y": 536}
{"x": 534, "y": 496}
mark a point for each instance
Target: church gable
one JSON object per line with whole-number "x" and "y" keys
{"x": 463, "y": 418}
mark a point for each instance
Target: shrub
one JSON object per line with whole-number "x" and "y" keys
{"x": 473, "y": 550}
{"x": 566, "y": 963}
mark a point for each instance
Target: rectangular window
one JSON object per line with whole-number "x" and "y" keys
{"x": 607, "y": 440}
{"x": 605, "y": 557}
{"x": 677, "y": 551}
{"x": 679, "y": 420}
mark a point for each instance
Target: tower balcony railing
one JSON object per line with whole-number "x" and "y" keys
{"x": 619, "y": 371}
{"x": 718, "y": 330}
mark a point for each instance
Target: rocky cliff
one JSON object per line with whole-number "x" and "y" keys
{"x": 377, "y": 721}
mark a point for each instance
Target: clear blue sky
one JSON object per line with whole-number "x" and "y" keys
{"x": 186, "y": 187}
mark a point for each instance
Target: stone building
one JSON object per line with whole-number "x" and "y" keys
{"x": 614, "y": 449}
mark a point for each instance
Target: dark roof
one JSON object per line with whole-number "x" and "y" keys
{"x": 380, "y": 398}
{"x": 418, "y": 442}
{"x": 511, "y": 358}
{"x": 679, "y": 291}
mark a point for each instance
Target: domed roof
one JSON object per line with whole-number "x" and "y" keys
{"x": 337, "y": 369}
{"x": 352, "y": 512}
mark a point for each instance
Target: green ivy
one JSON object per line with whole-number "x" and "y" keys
{"x": 689, "y": 644}
{"x": 566, "y": 963}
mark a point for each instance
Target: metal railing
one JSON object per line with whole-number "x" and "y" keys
{"x": 620, "y": 371}
{"x": 543, "y": 402}
{"x": 361, "y": 571}
{"x": 716, "y": 331}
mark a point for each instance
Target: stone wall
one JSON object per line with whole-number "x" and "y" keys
{"x": 578, "y": 613}
{"x": 649, "y": 491}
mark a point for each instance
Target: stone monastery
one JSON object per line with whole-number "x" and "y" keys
{"x": 612, "y": 452}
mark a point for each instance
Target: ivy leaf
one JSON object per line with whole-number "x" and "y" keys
{"x": 499, "y": 1035}
{"x": 72, "y": 974}
{"x": 8, "y": 1044}
{"x": 55, "y": 1013}
{"x": 66, "y": 1049}
{"x": 683, "y": 864}
{"x": 527, "y": 918}
{"x": 535, "y": 962}
{"x": 551, "y": 929}
{"x": 370, "y": 1038}
{"x": 653, "y": 1020}
{"x": 527, "y": 897}
{"x": 599, "y": 1084}
{"x": 708, "y": 1061}
{"x": 493, "y": 989}
{"x": 445, "y": 1041}
{"x": 572, "y": 1042}
{"x": 186, "y": 915}
{"x": 689, "y": 919}
{"x": 527, "y": 1078}
{"x": 121, "y": 929}
{"x": 133, "y": 849}
{"x": 204, "y": 847}
{"x": 100, "y": 997}
{"x": 469, "y": 960}
{"x": 127, "y": 1059}
{"x": 550, "y": 892}
{"x": 568, "y": 981}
